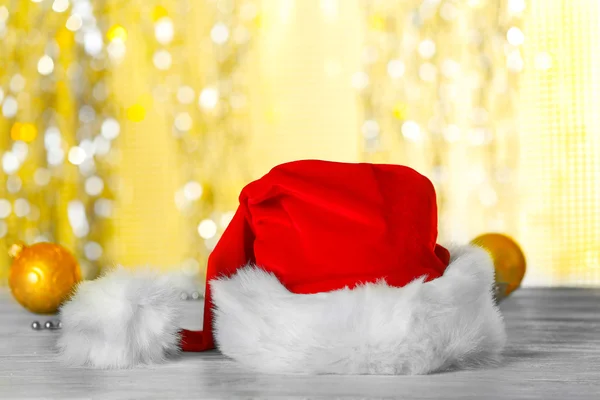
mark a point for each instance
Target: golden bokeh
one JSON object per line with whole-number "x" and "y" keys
{"x": 117, "y": 32}
{"x": 42, "y": 276}
{"x": 159, "y": 12}
{"x": 136, "y": 113}
{"x": 26, "y": 132}
{"x": 129, "y": 128}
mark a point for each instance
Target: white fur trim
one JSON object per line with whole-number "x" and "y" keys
{"x": 450, "y": 322}
{"x": 125, "y": 318}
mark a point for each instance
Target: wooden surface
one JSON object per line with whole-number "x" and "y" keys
{"x": 553, "y": 353}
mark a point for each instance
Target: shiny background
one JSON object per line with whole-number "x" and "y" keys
{"x": 128, "y": 127}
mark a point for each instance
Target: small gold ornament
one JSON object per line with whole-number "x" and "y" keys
{"x": 42, "y": 276}
{"x": 509, "y": 261}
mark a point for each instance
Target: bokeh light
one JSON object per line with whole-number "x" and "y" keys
{"x": 129, "y": 130}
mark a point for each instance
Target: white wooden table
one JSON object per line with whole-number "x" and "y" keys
{"x": 553, "y": 353}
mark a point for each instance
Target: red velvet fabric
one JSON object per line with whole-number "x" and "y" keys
{"x": 321, "y": 226}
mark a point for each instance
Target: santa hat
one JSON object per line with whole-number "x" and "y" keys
{"x": 325, "y": 268}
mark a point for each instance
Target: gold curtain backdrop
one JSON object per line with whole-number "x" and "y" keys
{"x": 128, "y": 127}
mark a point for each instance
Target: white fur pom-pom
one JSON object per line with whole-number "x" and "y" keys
{"x": 124, "y": 318}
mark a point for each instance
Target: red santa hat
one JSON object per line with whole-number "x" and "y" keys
{"x": 325, "y": 268}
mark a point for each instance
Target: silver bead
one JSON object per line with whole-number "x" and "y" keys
{"x": 184, "y": 296}
{"x": 195, "y": 295}
{"x": 35, "y": 325}
{"x": 49, "y": 325}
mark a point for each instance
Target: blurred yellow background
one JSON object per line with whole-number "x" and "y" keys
{"x": 128, "y": 127}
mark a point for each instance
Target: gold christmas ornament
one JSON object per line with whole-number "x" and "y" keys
{"x": 509, "y": 261}
{"x": 42, "y": 276}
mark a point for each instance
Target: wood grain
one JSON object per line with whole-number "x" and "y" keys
{"x": 553, "y": 353}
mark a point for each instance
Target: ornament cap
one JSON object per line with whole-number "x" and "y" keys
{"x": 15, "y": 249}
